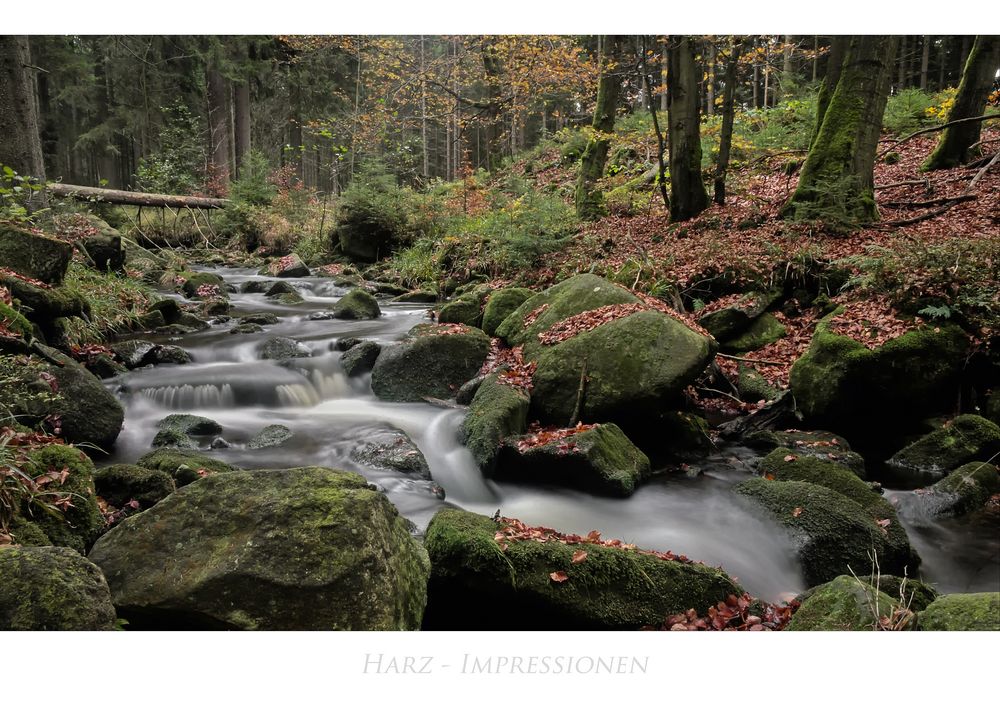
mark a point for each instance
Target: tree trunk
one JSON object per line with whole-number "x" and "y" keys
{"x": 241, "y": 111}
{"x": 925, "y": 59}
{"x": 787, "y": 77}
{"x": 901, "y": 82}
{"x": 970, "y": 101}
{"x": 687, "y": 191}
{"x": 815, "y": 61}
{"x": 589, "y": 201}
{"x": 710, "y": 80}
{"x": 836, "y": 184}
{"x": 663, "y": 74}
{"x": 219, "y": 149}
{"x": 423, "y": 114}
{"x": 20, "y": 145}
{"x": 494, "y": 91}
{"x": 728, "y": 115}
{"x": 647, "y": 84}
{"x": 834, "y": 65}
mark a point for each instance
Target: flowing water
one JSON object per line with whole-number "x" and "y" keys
{"x": 330, "y": 414}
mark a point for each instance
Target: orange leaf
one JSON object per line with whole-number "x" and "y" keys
{"x": 559, "y": 576}
{"x": 579, "y": 556}
{"x": 797, "y": 511}
{"x": 791, "y": 458}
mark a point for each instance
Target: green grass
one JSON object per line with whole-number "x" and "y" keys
{"x": 116, "y": 303}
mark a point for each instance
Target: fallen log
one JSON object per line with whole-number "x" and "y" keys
{"x": 138, "y": 199}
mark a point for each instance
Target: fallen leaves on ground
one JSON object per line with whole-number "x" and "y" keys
{"x": 537, "y": 436}
{"x": 741, "y": 612}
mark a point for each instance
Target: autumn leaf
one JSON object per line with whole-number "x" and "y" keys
{"x": 579, "y": 556}
{"x": 797, "y": 511}
{"x": 559, "y": 576}
{"x": 791, "y": 458}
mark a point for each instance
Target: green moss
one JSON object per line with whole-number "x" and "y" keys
{"x": 357, "y": 304}
{"x": 497, "y": 411}
{"x": 467, "y": 308}
{"x": 842, "y": 604}
{"x": 475, "y": 583}
{"x": 78, "y": 526}
{"x": 680, "y": 435}
{"x": 11, "y": 320}
{"x": 118, "y": 484}
{"x": 913, "y": 594}
{"x": 962, "y": 612}
{"x": 833, "y": 533}
{"x": 192, "y": 281}
{"x": 969, "y": 437}
{"x": 820, "y": 444}
{"x": 502, "y": 304}
{"x": 764, "y": 331}
{"x": 753, "y": 386}
{"x": 33, "y": 255}
{"x": 601, "y": 460}
{"x": 966, "y": 489}
{"x": 360, "y": 358}
{"x": 170, "y": 460}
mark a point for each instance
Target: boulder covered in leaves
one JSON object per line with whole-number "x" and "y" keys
{"x": 287, "y": 266}
{"x": 967, "y": 438}
{"x": 597, "y": 458}
{"x": 842, "y": 384}
{"x": 300, "y": 549}
{"x": 203, "y": 285}
{"x": 50, "y": 588}
{"x": 505, "y": 575}
{"x": 962, "y": 612}
{"x": 34, "y": 255}
{"x": 432, "y": 360}
{"x": 846, "y": 603}
{"x": 497, "y": 410}
{"x": 832, "y": 533}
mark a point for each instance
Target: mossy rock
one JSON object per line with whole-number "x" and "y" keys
{"x": 476, "y": 584}
{"x": 431, "y": 361}
{"x": 969, "y": 437}
{"x": 288, "y": 266}
{"x": 734, "y": 320}
{"x": 173, "y": 438}
{"x": 501, "y": 304}
{"x": 90, "y": 413}
{"x": 677, "y": 435}
{"x": 12, "y": 320}
{"x": 393, "y": 450}
{"x": 282, "y": 348}
{"x": 119, "y": 484}
{"x": 270, "y": 437}
{"x": 79, "y": 525}
{"x": 276, "y": 289}
{"x": 842, "y": 604}
{"x": 914, "y": 594}
{"x": 417, "y": 297}
{"x": 497, "y": 410}
{"x": 578, "y": 294}
{"x": 193, "y": 281}
{"x": 45, "y": 304}
{"x": 764, "y": 331}
{"x": 190, "y": 424}
{"x": 361, "y": 358}
{"x": 34, "y": 255}
{"x": 966, "y": 489}
{"x": 301, "y": 549}
{"x": 633, "y": 366}
{"x": 289, "y": 298}
{"x": 832, "y": 533}
{"x": 52, "y": 589}
{"x": 601, "y": 460}
{"x": 356, "y": 304}
{"x": 467, "y": 308}
{"x": 754, "y": 387}
{"x": 818, "y": 444}
{"x": 152, "y": 320}
{"x": 841, "y": 384}
{"x": 185, "y": 466}
{"x": 255, "y": 286}
{"x": 962, "y": 612}
{"x": 262, "y": 319}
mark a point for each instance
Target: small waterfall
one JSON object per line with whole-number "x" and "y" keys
{"x": 191, "y": 396}
{"x": 296, "y": 395}
{"x": 330, "y": 385}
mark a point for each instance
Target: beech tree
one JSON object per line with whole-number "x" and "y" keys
{"x": 688, "y": 196}
{"x": 20, "y": 144}
{"x": 837, "y": 179}
{"x": 955, "y": 145}
{"x": 589, "y": 201}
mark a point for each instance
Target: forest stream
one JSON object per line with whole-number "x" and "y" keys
{"x": 694, "y": 512}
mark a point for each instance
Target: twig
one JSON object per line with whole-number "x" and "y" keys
{"x": 929, "y": 203}
{"x": 579, "y": 395}
{"x": 966, "y": 120}
{"x": 982, "y": 171}
{"x": 927, "y": 182}
{"x": 752, "y": 360}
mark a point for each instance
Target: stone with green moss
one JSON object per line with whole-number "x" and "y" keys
{"x": 501, "y": 304}
{"x": 497, "y": 410}
{"x": 288, "y": 298}
{"x": 170, "y": 460}
{"x": 819, "y": 444}
{"x": 306, "y": 548}
{"x": 173, "y": 438}
{"x": 466, "y": 309}
{"x": 356, "y": 304}
{"x": 844, "y": 385}
{"x": 764, "y": 331}
{"x": 12, "y": 321}
{"x": 121, "y": 483}
{"x": 34, "y": 255}
{"x": 480, "y": 583}
{"x": 51, "y": 588}
{"x": 979, "y": 611}
{"x": 633, "y": 366}
{"x": 392, "y": 450}
{"x": 832, "y": 533}
{"x": 910, "y": 593}
{"x": 360, "y": 358}
{"x": 753, "y": 386}
{"x": 601, "y": 460}
{"x": 842, "y": 604}
{"x": 969, "y": 437}
{"x": 44, "y": 304}
{"x": 430, "y": 361}
{"x": 679, "y": 435}
{"x": 729, "y": 322}
{"x": 270, "y": 437}
{"x": 194, "y": 281}
{"x": 966, "y": 489}
{"x": 190, "y": 424}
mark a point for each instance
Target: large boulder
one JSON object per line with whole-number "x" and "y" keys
{"x": 497, "y": 410}
{"x": 969, "y": 437}
{"x": 501, "y": 304}
{"x": 301, "y": 549}
{"x": 599, "y": 459}
{"x": 632, "y": 366}
{"x": 832, "y": 533}
{"x": 34, "y": 255}
{"x": 51, "y": 588}
{"x": 966, "y": 489}
{"x": 819, "y": 444}
{"x": 846, "y": 603}
{"x": 466, "y": 309}
{"x": 356, "y": 304}
{"x": 842, "y": 384}
{"x": 962, "y": 612}
{"x": 432, "y": 360}
{"x": 481, "y": 580}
